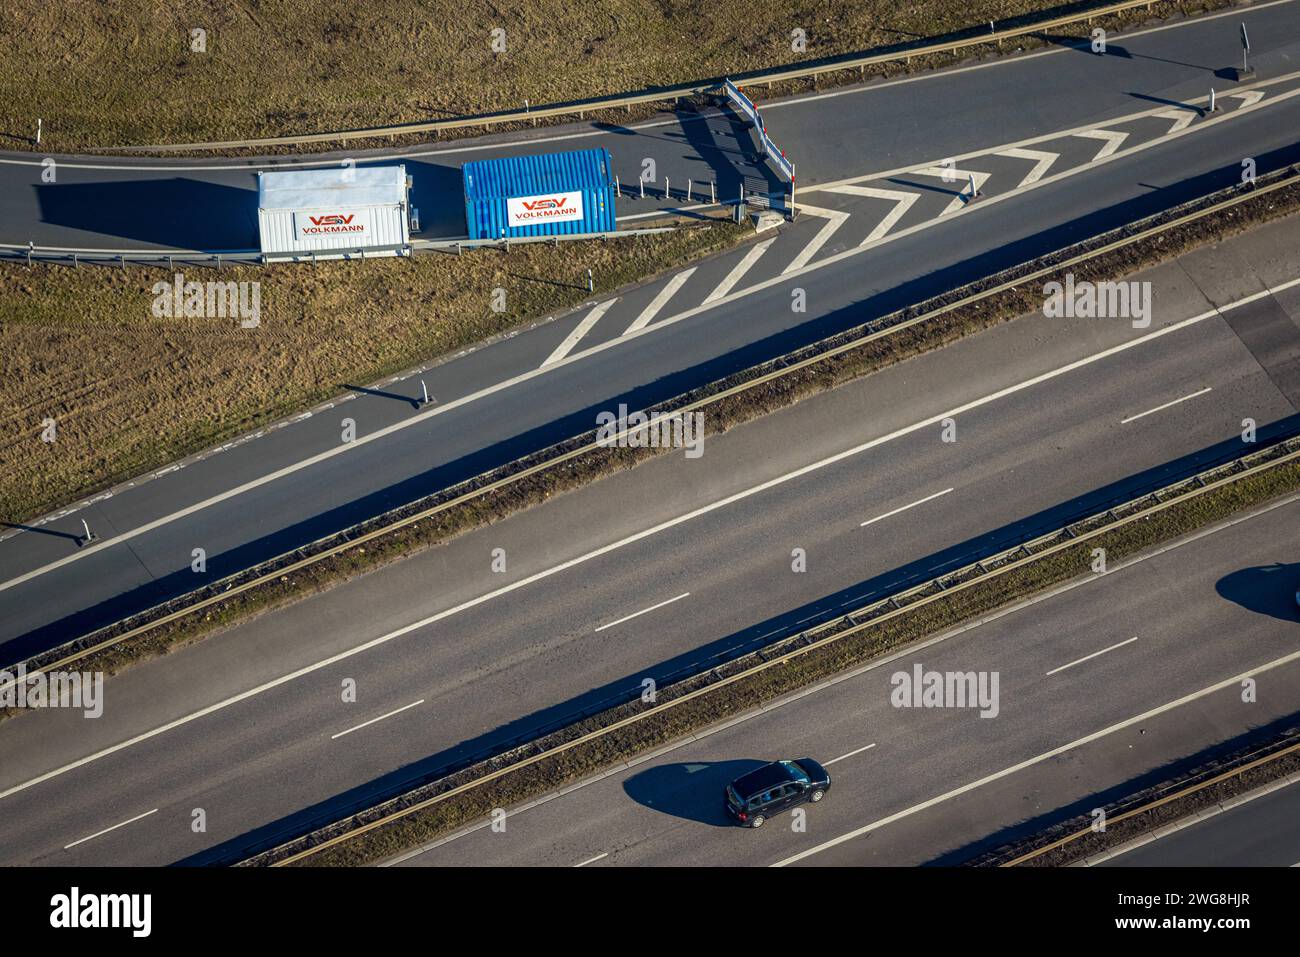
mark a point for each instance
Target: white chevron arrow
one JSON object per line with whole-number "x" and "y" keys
{"x": 1248, "y": 97}
{"x": 962, "y": 176}
{"x": 1042, "y": 160}
{"x": 834, "y": 220}
{"x": 1112, "y": 138}
{"x": 738, "y": 271}
{"x": 902, "y": 203}
{"x": 1182, "y": 118}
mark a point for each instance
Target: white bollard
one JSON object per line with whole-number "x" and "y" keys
{"x": 689, "y": 184}
{"x": 1214, "y": 108}
{"x": 38, "y": 132}
{"x": 424, "y": 389}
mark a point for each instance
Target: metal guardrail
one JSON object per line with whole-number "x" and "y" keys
{"x": 32, "y": 254}
{"x": 331, "y": 545}
{"x": 874, "y": 613}
{"x": 966, "y": 39}
{"x": 1143, "y": 803}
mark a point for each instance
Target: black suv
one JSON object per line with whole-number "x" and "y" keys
{"x": 754, "y": 797}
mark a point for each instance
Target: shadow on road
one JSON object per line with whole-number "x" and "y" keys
{"x": 691, "y": 791}
{"x": 1268, "y": 590}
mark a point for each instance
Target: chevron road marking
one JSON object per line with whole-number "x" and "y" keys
{"x": 1182, "y": 118}
{"x": 1113, "y": 140}
{"x": 1042, "y": 160}
{"x": 581, "y": 330}
{"x": 834, "y": 220}
{"x": 738, "y": 271}
{"x": 962, "y": 176}
{"x": 902, "y": 203}
{"x": 1248, "y": 97}
{"x": 657, "y": 304}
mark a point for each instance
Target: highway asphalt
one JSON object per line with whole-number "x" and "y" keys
{"x": 1120, "y": 675}
{"x": 1055, "y": 418}
{"x": 1261, "y": 832}
{"x": 292, "y": 485}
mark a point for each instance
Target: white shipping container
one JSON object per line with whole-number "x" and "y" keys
{"x": 335, "y": 213}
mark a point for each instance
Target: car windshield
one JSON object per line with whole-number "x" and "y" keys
{"x": 796, "y": 773}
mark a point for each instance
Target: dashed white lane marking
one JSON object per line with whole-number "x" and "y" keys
{"x": 593, "y": 860}
{"x": 903, "y": 508}
{"x": 657, "y": 304}
{"x": 643, "y": 611}
{"x": 138, "y": 817}
{"x": 738, "y": 271}
{"x": 1182, "y": 117}
{"x": 366, "y": 724}
{"x": 584, "y": 327}
{"x": 1041, "y": 158}
{"x": 1167, "y": 405}
{"x": 1113, "y": 139}
{"x": 1095, "y": 654}
{"x": 827, "y": 764}
{"x": 902, "y": 203}
{"x": 834, "y": 220}
{"x": 1039, "y": 758}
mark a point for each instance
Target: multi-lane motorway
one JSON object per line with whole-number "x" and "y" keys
{"x": 1054, "y": 417}
{"x": 1100, "y": 141}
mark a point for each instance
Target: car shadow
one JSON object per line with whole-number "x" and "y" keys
{"x": 1268, "y": 590}
{"x": 692, "y": 791}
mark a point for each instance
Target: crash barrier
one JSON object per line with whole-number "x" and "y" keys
{"x": 782, "y": 651}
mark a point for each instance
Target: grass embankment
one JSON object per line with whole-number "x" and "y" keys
{"x": 268, "y": 588}
{"x": 130, "y": 392}
{"x": 103, "y": 74}
{"x": 857, "y": 646}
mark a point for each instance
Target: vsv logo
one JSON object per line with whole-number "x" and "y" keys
{"x": 548, "y": 203}
{"x": 333, "y": 219}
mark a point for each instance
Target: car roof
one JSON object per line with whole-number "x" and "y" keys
{"x": 760, "y": 779}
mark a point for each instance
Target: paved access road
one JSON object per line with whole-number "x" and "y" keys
{"x": 1054, "y": 419}
{"x": 1115, "y": 159}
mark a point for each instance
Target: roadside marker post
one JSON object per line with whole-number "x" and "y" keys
{"x": 39, "y": 122}
{"x": 1214, "y": 106}
{"x": 591, "y": 283}
{"x": 1247, "y": 72}
{"x": 88, "y": 537}
{"x": 425, "y": 390}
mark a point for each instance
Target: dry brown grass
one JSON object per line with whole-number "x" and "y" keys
{"x": 130, "y": 392}
{"x": 107, "y": 72}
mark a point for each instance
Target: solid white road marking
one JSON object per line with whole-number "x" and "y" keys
{"x": 1079, "y": 661}
{"x": 1182, "y": 118}
{"x": 649, "y": 533}
{"x": 956, "y": 177}
{"x": 366, "y": 724}
{"x": 420, "y": 417}
{"x": 643, "y": 611}
{"x": 583, "y": 327}
{"x": 1038, "y": 759}
{"x": 593, "y": 860}
{"x": 827, "y": 764}
{"x": 138, "y": 817}
{"x": 1113, "y": 140}
{"x": 1041, "y": 158}
{"x": 667, "y": 292}
{"x": 834, "y": 220}
{"x": 904, "y": 508}
{"x": 902, "y": 203}
{"x": 1161, "y": 408}
{"x": 738, "y": 271}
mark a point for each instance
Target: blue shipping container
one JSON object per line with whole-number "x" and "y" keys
{"x": 554, "y": 194}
